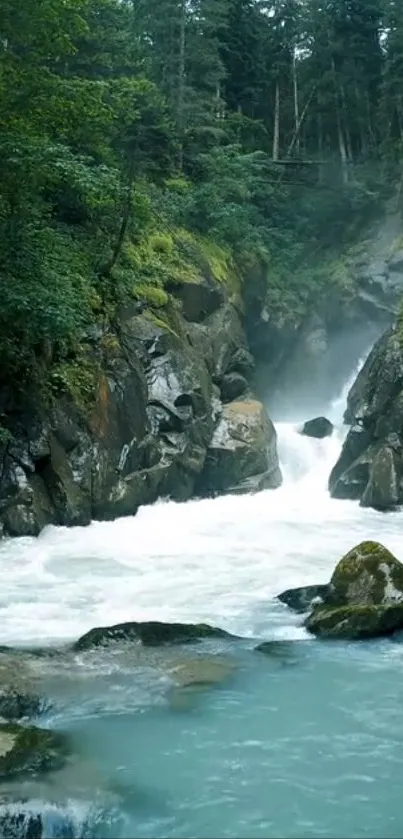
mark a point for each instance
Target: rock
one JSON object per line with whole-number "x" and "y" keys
{"x": 232, "y": 385}
{"x": 382, "y": 489}
{"x": 241, "y": 362}
{"x": 203, "y": 671}
{"x": 302, "y": 599}
{"x": 350, "y": 475}
{"x": 199, "y": 299}
{"x": 251, "y": 485}
{"x": 369, "y": 575}
{"x": 18, "y": 698}
{"x": 365, "y": 596}
{"x": 319, "y": 428}
{"x": 281, "y": 651}
{"x": 370, "y": 467}
{"x": 29, "y": 750}
{"x": 244, "y": 445}
{"x": 149, "y": 633}
{"x": 356, "y": 622}
{"x": 194, "y": 676}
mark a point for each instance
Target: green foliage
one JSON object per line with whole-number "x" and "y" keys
{"x": 78, "y": 376}
{"x": 136, "y": 146}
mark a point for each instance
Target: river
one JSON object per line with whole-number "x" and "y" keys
{"x": 305, "y": 746}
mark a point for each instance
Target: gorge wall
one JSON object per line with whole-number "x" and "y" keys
{"x": 161, "y": 402}
{"x": 157, "y": 406}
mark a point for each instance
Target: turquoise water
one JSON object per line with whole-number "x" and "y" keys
{"x": 305, "y": 744}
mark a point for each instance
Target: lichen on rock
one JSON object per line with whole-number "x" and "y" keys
{"x": 364, "y": 598}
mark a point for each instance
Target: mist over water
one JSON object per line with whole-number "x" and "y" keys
{"x": 309, "y": 384}
{"x": 308, "y": 745}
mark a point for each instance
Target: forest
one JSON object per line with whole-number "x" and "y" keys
{"x": 137, "y": 136}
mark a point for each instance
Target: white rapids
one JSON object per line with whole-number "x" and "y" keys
{"x": 221, "y": 560}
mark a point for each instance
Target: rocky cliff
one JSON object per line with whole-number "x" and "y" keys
{"x": 155, "y": 406}
{"x": 370, "y": 467}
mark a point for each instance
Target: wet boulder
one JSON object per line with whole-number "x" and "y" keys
{"x": 28, "y": 750}
{"x": 356, "y": 622}
{"x": 18, "y": 697}
{"x": 370, "y": 466}
{"x": 365, "y": 596}
{"x": 149, "y": 633}
{"x": 303, "y": 598}
{"x": 382, "y": 489}
{"x": 232, "y": 386}
{"x": 319, "y": 427}
{"x": 243, "y": 447}
{"x": 369, "y": 575}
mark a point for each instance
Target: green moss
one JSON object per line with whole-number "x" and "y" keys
{"x": 78, "y": 377}
{"x": 363, "y": 575}
{"x": 29, "y": 750}
{"x": 355, "y": 622}
{"x": 154, "y": 296}
{"x": 162, "y": 322}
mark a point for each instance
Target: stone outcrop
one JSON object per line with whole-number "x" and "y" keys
{"x": 319, "y": 427}
{"x": 370, "y": 466}
{"x": 138, "y": 417}
{"x": 364, "y": 598}
{"x": 242, "y": 454}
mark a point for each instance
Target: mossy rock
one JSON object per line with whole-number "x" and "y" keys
{"x": 149, "y": 633}
{"x": 30, "y": 750}
{"x": 18, "y": 697}
{"x": 369, "y": 575}
{"x": 355, "y": 622}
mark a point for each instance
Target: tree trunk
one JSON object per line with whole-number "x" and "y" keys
{"x": 349, "y": 147}
{"x": 181, "y": 80}
{"x": 340, "y": 135}
{"x": 296, "y": 101}
{"x": 276, "y": 130}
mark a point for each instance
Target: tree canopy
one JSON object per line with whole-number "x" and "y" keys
{"x": 268, "y": 126}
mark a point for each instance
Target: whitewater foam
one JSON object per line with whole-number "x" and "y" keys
{"x": 217, "y": 560}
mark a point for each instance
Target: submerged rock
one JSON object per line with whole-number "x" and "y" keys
{"x": 283, "y": 653}
{"x": 303, "y": 598}
{"x": 319, "y": 428}
{"x": 243, "y": 448}
{"x": 192, "y": 677}
{"x": 149, "y": 633}
{"x": 29, "y": 750}
{"x": 364, "y": 598}
{"x": 18, "y": 698}
{"x": 203, "y": 671}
